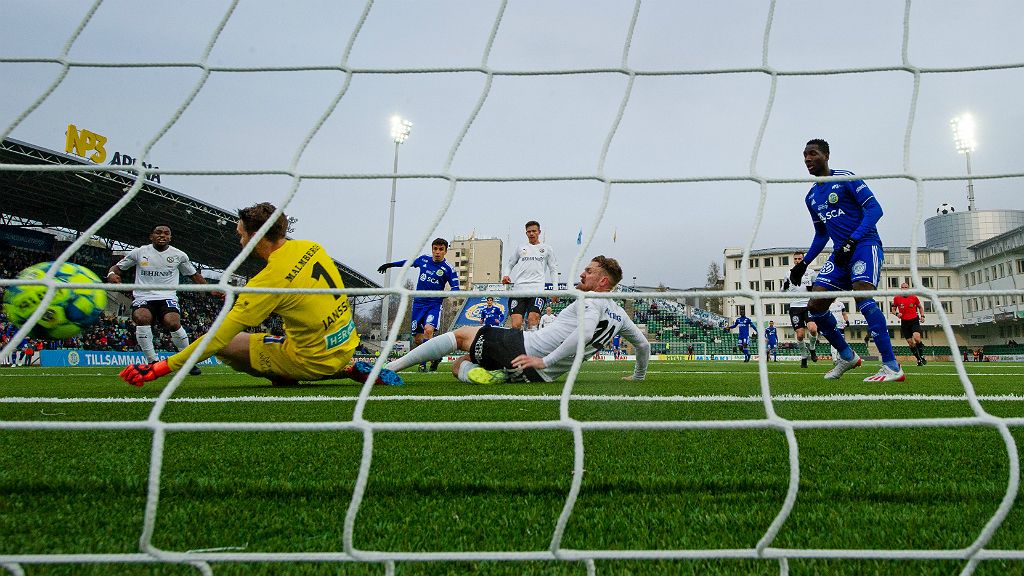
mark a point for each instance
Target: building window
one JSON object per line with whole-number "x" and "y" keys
{"x": 769, "y": 285}
{"x": 947, "y": 306}
{"x": 785, "y": 309}
{"x": 755, "y": 285}
{"x": 769, "y": 309}
{"x": 739, "y": 264}
{"x": 784, "y": 261}
{"x": 927, "y": 281}
{"x": 754, "y": 262}
{"x": 974, "y": 279}
{"x": 927, "y": 305}
{"x": 894, "y": 282}
{"x": 741, "y": 310}
{"x": 1020, "y": 266}
{"x": 769, "y": 262}
{"x": 945, "y": 282}
{"x": 737, "y": 286}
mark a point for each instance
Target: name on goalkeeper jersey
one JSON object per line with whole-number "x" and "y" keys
{"x": 301, "y": 263}
{"x": 336, "y": 315}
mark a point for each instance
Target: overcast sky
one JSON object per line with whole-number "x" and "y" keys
{"x": 674, "y": 125}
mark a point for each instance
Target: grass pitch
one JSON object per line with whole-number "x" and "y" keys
{"x": 84, "y": 491}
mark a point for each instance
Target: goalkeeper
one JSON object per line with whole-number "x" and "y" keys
{"x": 319, "y": 334}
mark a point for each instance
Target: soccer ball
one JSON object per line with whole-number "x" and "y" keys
{"x": 71, "y": 308}
{"x": 945, "y": 209}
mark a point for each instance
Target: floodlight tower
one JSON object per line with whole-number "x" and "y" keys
{"x": 400, "y": 130}
{"x": 963, "y": 136}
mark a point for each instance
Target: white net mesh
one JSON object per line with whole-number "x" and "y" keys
{"x": 598, "y": 185}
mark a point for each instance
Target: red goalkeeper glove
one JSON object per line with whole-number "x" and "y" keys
{"x": 139, "y": 374}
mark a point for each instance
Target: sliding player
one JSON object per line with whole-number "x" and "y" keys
{"x": 509, "y": 355}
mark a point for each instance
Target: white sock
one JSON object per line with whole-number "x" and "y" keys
{"x": 436, "y": 347}
{"x": 144, "y": 336}
{"x": 180, "y": 338}
{"x": 464, "y": 369}
{"x": 805, "y": 352}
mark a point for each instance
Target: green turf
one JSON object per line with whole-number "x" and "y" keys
{"x": 66, "y": 491}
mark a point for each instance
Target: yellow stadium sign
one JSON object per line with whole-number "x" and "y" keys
{"x": 86, "y": 144}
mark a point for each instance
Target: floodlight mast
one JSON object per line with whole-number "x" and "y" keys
{"x": 400, "y": 130}
{"x": 964, "y": 139}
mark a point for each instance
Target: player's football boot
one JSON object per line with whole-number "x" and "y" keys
{"x": 803, "y": 362}
{"x": 360, "y": 371}
{"x": 886, "y": 374}
{"x": 814, "y": 354}
{"x": 434, "y": 365}
{"x": 282, "y": 382}
{"x": 843, "y": 366}
{"x": 482, "y": 376}
{"x": 195, "y": 371}
{"x": 423, "y": 367}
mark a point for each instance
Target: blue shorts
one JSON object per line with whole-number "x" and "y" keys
{"x": 865, "y": 266}
{"x": 424, "y": 313}
{"x": 743, "y": 341}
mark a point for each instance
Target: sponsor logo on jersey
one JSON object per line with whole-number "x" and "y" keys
{"x": 826, "y": 268}
{"x": 833, "y": 197}
{"x": 859, "y": 267}
{"x": 836, "y": 186}
{"x": 861, "y": 187}
{"x": 830, "y": 214}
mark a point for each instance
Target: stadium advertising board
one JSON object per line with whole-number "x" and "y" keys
{"x": 93, "y": 146}
{"x": 87, "y": 358}
{"x": 470, "y": 313}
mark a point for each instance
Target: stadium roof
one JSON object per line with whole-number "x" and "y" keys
{"x": 75, "y": 200}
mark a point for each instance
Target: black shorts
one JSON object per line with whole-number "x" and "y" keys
{"x": 523, "y": 306}
{"x": 494, "y": 348}
{"x": 798, "y": 316}
{"x": 908, "y": 327}
{"x": 158, "y": 308}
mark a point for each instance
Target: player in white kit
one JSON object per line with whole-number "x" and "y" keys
{"x": 838, "y": 309}
{"x": 157, "y": 264}
{"x": 798, "y": 313}
{"x": 532, "y": 266}
{"x": 507, "y": 355}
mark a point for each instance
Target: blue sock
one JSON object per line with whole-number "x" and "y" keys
{"x": 827, "y": 327}
{"x": 879, "y": 331}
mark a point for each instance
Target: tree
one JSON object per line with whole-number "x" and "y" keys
{"x": 714, "y": 282}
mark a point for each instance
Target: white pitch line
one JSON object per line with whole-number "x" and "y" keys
{"x": 532, "y": 398}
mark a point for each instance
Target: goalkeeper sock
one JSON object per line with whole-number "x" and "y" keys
{"x": 436, "y": 347}
{"x": 827, "y": 327}
{"x": 464, "y": 369}
{"x": 180, "y": 338}
{"x": 144, "y": 336}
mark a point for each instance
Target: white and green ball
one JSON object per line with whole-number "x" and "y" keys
{"x": 71, "y": 309}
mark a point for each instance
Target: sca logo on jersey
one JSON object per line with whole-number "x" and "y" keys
{"x": 830, "y": 214}
{"x": 429, "y": 279}
{"x": 833, "y": 197}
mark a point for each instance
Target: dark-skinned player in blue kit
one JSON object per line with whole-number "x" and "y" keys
{"x": 846, "y": 213}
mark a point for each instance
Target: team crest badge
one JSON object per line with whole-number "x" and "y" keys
{"x": 170, "y": 260}
{"x": 794, "y": 319}
{"x": 440, "y": 272}
{"x": 826, "y": 268}
{"x": 833, "y": 198}
{"x": 859, "y": 267}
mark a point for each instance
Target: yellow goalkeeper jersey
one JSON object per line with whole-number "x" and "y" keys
{"x": 318, "y": 325}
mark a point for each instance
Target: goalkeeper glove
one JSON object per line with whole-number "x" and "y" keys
{"x": 139, "y": 374}
{"x": 796, "y": 273}
{"x": 844, "y": 253}
{"x": 383, "y": 268}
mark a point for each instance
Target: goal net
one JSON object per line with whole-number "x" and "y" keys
{"x": 652, "y": 123}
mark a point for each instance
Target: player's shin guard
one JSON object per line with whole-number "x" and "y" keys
{"x": 180, "y": 338}
{"x": 144, "y": 336}
{"x": 436, "y": 347}
{"x": 827, "y": 327}
{"x": 879, "y": 330}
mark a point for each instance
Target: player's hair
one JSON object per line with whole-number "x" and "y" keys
{"x": 821, "y": 144}
{"x": 611, "y": 268}
{"x": 254, "y": 216}
{"x": 439, "y": 242}
{"x": 533, "y": 223}
{"x": 490, "y": 297}
{"x": 155, "y": 226}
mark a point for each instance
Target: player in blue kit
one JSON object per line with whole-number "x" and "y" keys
{"x": 435, "y": 273}
{"x": 845, "y": 212}
{"x": 744, "y": 324}
{"x": 771, "y": 341}
{"x": 491, "y": 315}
